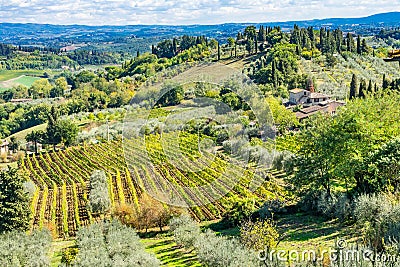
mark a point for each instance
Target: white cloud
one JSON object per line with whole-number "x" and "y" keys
{"x": 119, "y": 12}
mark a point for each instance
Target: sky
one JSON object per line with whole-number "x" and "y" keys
{"x": 178, "y": 12}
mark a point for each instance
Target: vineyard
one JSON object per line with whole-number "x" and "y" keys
{"x": 62, "y": 180}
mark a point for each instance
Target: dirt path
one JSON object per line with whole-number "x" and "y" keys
{"x": 9, "y": 83}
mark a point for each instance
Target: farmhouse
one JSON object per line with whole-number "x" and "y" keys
{"x": 301, "y": 96}
{"x": 4, "y": 147}
{"x": 20, "y": 100}
{"x": 311, "y": 103}
{"x": 30, "y": 147}
{"x": 328, "y": 106}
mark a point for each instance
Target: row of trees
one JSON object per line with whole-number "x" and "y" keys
{"x": 111, "y": 244}
{"x": 30, "y": 57}
{"x": 170, "y": 48}
{"x": 329, "y": 41}
{"x": 36, "y": 60}
{"x": 361, "y": 89}
{"x": 93, "y": 57}
{"x": 256, "y": 41}
{"x": 306, "y": 39}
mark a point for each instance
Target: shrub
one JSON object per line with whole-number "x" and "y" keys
{"x": 271, "y": 207}
{"x": 215, "y": 251}
{"x": 378, "y": 216}
{"x": 150, "y": 213}
{"x": 336, "y": 205}
{"x": 185, "y": 230}
{"x": 241, "y": 210}
{"x": 259, "y": 235}
{"x": 326, "y": 204}
{"x": 281, "y": 159}
{"x": 20, "y": 249}
{"x": 125, "y": 213}
{"x": 211, "y": 249}
{"x": 343, "y": 209}
{"x": 69, "y": 255}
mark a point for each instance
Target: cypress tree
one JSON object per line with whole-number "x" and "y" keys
{"x": 358, "y": 45}
{"x": 219, "y": 52}
{"x": 321, "y": 39}
{"x": 353, "y": 87}
{"x": 350, "y": 42}
{"x": 274, "y": 74}
{"x": 328, "y": 47}
{"x": 311, "y": 35}
{"x": 364, "y": 46}
{"x": 238, "y": 37}
{"x": 385, "y": 82}
{"x": 369, "y": 90}
{"x": 310, "y": 85}
{"x": 363, "y": 88}
{"x": 261, "y": 33}
{"x": 264, "y": 34}
{"x": 174, "y": 46}
{"x": 297, "y": 50}
{"x": 52, "y": 134}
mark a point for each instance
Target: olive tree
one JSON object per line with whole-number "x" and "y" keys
{"x": 99, "y": 197}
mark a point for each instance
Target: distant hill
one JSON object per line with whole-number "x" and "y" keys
{"x": 59, "y": 35}
{"x": 389, "y": 19}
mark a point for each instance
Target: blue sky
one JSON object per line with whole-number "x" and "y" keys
{"x": 122, "y": 12}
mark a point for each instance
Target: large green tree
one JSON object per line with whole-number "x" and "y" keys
{"x": 231, "y": 44}
{"x": 334, "y": 149}
{"x": 60, "y": 86}
{"x": 68, "y": 131}
{"x": 59, "y": 131}
{"x": 52, "y": 134}
{"x": 172, "y": 94}
{"x": 40, "y": 88}
{"x": 35, "y": 137}
{"x": 14, "y": 201}
{"x": 381, "y": 168}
